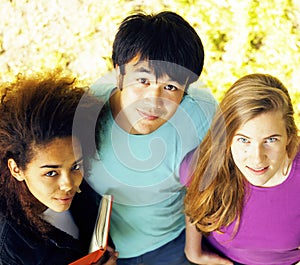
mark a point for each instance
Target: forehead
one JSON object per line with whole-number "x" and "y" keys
{"x": 146, "y": 70}
{"x": 139, "y": 67}
{"x": 159, "y": 69}
{"x": 57, "y": 148}
{"x": 266, "y": 123}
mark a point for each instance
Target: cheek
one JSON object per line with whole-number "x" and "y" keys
{"x": 171, "y": 108}
{"x": 278, "y": 154}
{"x": 79, "y": 177}
{"x": 172, "y": 103}
{"x": 41, "y": 192}
{"x": 175, "y": 97}
{"x": 238, "y": 154}
{"x": 129, "y": 98}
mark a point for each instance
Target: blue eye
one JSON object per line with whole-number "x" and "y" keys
{"x": 243, "y": 140}
{"x": 171, "y": 87}
{"x": 271, "y": 140}
{"x": 51, "y": 174}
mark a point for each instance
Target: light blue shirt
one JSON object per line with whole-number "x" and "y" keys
{"x": 141, "y": 172}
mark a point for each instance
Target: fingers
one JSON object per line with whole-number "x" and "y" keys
{"x": 110, "y": 249}
{"x": 113, "y": 259}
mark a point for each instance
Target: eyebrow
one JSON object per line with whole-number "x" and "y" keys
{"x": 273, "y": 135}
{"x": 270, "y": 136}
{"x": 148, "y": 71}
{"x": 58, "y": 166}
{"x": 143, "y": 70}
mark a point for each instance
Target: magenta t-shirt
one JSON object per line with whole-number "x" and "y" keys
{"x": 269, "y": 232}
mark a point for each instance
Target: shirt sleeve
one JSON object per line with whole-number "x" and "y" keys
{"x": 185, "y": 171}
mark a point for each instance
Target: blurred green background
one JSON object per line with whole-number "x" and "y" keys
{"x": 239, "y": 37}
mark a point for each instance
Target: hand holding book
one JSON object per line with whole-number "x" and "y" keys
{"x": 99, "y": 252}
{"x": 109, "y": 258}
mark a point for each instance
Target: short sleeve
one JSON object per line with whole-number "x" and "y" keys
{"x": 184, "y": 170}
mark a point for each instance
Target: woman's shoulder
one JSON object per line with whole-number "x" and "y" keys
{"x": 12, "y": 233}
{"x": 15, "y": 243}
{"x": 296, "y": 162}
{"x": 19, "y": 245}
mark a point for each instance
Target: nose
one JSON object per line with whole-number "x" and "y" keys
{"x": 65, "y": 182}
{"x": 259, "y": 154}
{"x": 154, "y": 95}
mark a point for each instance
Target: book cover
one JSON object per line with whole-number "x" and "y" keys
{"x": 100, "y": 235}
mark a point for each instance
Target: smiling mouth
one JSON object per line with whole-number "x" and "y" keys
{"x": 258, "y": 171}
{"x": 65, "y": 200}
{"x": 149, "y": 116}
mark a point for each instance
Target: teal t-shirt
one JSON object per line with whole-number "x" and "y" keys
{"x": 141, "y": 172}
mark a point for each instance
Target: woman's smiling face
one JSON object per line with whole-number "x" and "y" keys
{"x": 259, "y": 149}
{"x": 54, "y": 174}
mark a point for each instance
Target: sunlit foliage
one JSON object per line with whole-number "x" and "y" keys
{"x": 240, "y": 37}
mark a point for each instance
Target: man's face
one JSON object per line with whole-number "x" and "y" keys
{"x": 146, "y": 102}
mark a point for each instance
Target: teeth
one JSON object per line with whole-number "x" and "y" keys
{"x": 257, "y": 169}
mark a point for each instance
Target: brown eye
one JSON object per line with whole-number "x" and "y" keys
{"x": 144, "y": 81}
{"x": 171, "y": 87}
{"x": 77, "y": 167}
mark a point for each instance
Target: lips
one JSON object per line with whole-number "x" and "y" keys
{"x": 149, "y": 116}
{"x": 258, "y": 171}
{"x": 65, "y": 200}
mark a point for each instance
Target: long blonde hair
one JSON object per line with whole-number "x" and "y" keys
{"x": 217, "y": 190}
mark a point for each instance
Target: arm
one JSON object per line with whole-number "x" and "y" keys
{"x": 193, "y": 249}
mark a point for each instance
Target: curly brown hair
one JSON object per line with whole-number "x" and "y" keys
{"x": 35, "y": 110}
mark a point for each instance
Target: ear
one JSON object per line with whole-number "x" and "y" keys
{"x": 118, "y": 72}
{"x": 119, "y": 77}
{"x": 15, "y": 171}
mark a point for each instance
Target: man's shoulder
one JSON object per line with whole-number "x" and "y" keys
{"x": 102, "y": 90}
{"x": 199, "y": 101}
{"x": 201, "y": 95}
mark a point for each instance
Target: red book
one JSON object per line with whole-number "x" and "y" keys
{"x": 100, "y": 235}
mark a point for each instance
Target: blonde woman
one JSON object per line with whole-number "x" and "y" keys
{"x": 243, "y": 198}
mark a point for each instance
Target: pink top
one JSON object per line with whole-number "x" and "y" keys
{"x": 269, "y": 232}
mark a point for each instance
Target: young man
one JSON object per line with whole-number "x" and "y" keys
{"x": 149, "y": 123}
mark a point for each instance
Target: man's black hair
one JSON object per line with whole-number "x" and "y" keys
{"x": 164, "y": 37}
